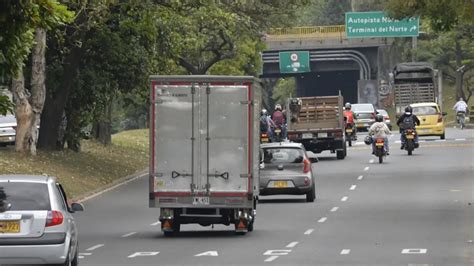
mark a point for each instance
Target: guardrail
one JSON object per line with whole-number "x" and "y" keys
{"x": 335, "y": 31}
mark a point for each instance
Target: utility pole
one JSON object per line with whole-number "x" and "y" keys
{"x": 414, "y": 46}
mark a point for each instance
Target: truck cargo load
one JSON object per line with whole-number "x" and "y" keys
{"x": 204, "y": 150}
{"x": 318, "y": 123}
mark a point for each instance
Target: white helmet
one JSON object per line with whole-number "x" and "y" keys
{"x": 264, "y": 111}
{"x": 277, "y": 107}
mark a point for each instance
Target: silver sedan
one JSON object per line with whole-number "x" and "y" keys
{"x": 36, "y": 223}
{"x": 286, "y": 169}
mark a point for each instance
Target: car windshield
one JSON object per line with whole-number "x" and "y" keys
{"x": 362, "y": 108}
{"x": 282, "y": 155}
{"x": 425, "y": 110}
{"x": 22, "y": 196}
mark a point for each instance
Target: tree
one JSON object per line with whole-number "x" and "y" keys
{"x": 24, "y": 26}
{"x": 6, "y": 106}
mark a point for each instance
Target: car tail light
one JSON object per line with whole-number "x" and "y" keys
{"x": 306, "y": 181}
{"x": 307, "y": 166}
{"x": 264, "y": 135}
{"x": 54, "y": 218}
{"x": 440, "y": 118}
{"x": 338, "y": 134}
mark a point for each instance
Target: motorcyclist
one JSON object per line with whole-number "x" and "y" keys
{"x": 379, "y": 130}
{"x": 460, "y": 107}
{"x": 266, "y": 123}
{"x": 407, "y": 121}
{"x": 279, "y": 119}
{"x": 349, "y": 116}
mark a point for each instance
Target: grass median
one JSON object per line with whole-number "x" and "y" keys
{"x": 95, "y": 167}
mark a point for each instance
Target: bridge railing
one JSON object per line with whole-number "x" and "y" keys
{"x": 333, "y": 31}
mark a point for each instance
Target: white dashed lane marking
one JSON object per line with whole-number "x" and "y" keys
{"x": 83, "y": 255}
{"x": 371, "y": 161}
{"x": 360, "y": 177}
{"x": 344, "y": 198}
{"x": 353, "y": 187}
{"x": 460, "y": 139}
{"x": 366, "y": 168}
{"x": 95, "y": 247}
{"x": 345, "y": 251}
{"x": 414, "y": 251}
{"x": 334, "y": 209}
{"x": 322, "y": 220}
{"x": 155, "y": 223}
{"x": 292, "y": 245}
{"x": 129, "y": 234}
{"x": 309, "y": 232}
{"x": 272, "y": 258}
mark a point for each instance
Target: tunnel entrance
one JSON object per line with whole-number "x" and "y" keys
{"x": 327, "y": 83}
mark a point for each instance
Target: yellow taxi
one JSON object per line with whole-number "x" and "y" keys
{"x": 431, "y": 119}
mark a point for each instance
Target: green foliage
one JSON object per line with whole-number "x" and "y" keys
{"x": 18, "y": 20}
{"x": 443, "y": 15}
{"x": 285, "y": 88}
{"x": 6, "y": 106}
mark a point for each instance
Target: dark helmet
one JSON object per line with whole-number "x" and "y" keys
{"x": 408, "y": 109}
{"x": 368, "y": 140}
{"x": 379, "y": 118}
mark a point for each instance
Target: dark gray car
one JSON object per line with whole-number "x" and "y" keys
{"x": 286, "y": 169}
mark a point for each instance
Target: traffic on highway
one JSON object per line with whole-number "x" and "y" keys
{"x": 311, "y": 132}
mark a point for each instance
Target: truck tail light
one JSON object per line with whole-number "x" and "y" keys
{"x": 307, "y": 166}
{"x": 54, "y": 218}
{"x": 292, "y": 136}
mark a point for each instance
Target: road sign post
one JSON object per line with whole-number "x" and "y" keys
{"x": 294, "y": 62}
{"x": 379, "y": 24}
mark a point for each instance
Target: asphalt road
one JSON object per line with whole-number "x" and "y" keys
{"x": 410, "y": 210}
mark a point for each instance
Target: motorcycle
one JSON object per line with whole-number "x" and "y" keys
{"x": 410, "y": 144}
{"x": 461, "y": 118}
{"x": 380, "y": 149}
{"x": 350, "y": 134}
{"x": 278, "y": 135}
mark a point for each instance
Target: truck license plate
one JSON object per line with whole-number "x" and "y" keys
{"x": 307, "y": 135}
{"x": 323, "y": 135}
{"x": 201, "y": 201}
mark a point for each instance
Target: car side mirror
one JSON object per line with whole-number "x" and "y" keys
{"x": 312, "y": 157}
{"x": 77, "y": 207}
{"x": 444, "y": 114}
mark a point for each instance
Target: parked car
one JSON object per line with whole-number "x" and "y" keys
{"x": 286, "y": 169}
{"x": 431, "y": 119}
{"x": 386, "y": 118}
{"x": 365, "y": 115}
{"x": 7, "y": 130}
{"x": 36, "y": 223}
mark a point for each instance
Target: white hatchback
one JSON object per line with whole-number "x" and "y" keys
{"x": 36, "y": 223}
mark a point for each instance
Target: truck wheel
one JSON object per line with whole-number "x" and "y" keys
{"x": 250, "y": 227}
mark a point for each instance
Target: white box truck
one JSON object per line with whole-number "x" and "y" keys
{"x": 204, "y": 150}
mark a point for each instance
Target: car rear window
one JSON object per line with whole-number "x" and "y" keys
{"x": 282, "y": 155}
{"x": 425, "y": 110}
{"x": 362, "y": 108}
{"x": 24, "y": 196}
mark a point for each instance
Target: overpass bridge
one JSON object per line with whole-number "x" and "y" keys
{"x": 354, "y": 66}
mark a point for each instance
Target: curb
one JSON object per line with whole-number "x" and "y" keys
{"x": 109, "y": 187}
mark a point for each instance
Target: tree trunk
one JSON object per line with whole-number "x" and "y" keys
{"x": 102, "y": 131}
{"x": 29, "y": 107}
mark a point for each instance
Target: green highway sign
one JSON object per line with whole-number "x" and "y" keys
{"x": 378, "y": 24}
{"x": 294, "y": 62}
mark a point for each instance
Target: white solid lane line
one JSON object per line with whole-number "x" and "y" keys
{"x": 360, "y": 177}
{"x": 345, "y": 251}
{"x": 459, "y": 139}
{"x": 366, "y": 168}
{"x": 292, "y": 245}
{"x": 344, "y": 198}
{"x": 129, "y": 234}
{"x": 414, "y": 251}
{"x": 322, "y": 220}
{"x": 353, "y": 187}
{"x": 95, "y": 247}
{"x": 334, "y": 209}
{"x": 272, "y": 258}
{"x": 309, "y": 232}
{"x": 155, "y": 223}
